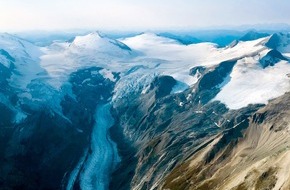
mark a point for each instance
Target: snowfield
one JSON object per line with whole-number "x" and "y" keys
{"x": 41, "y": 74}
{"x": 249, "y": 83}
{"x": 138, "y": 59}
{"x": 25, "y": 57}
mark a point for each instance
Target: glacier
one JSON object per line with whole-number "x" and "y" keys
{"x": 103, "y": 157}
{"x": 40, "y": 76}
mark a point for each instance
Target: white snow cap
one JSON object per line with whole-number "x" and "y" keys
{"x": 138, "y": 59}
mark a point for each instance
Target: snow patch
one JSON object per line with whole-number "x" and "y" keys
{"x": 251, "y": 84}
{"x": 108, "y": 75}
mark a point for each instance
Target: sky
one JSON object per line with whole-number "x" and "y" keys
{"x": 21, "y": 15}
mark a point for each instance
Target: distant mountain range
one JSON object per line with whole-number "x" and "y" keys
{"x": 203, "y": 110}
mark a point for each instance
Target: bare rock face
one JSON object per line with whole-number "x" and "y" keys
{"x": 278, "y": 41}
{"x": 251, "y": 155}
{"x": 271, "y": 58}
{"x": 186, "y": 141}
{"x": 170, "y": 130}
{"x": 164, "y": 132}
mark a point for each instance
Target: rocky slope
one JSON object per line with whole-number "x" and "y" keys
{"x": 167, "y": 128}
{"x": 255, "y": 156}
{"x": 181, "y": 115}
{"x": 186, "y": 140}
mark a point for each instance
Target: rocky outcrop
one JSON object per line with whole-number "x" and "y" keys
{"x": 278, "y": 41}
{"x": 199, "y": 70}
{"x": 165, "y": 131}
{"x": 55, "y": 127}
{"x": 254, "y": 155}
{"x": 271, "y": 58}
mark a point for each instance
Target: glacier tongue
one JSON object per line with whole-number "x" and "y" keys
{"x": 104, "y": 157}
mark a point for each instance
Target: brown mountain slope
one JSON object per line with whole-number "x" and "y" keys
{"x": 257, "y": 157}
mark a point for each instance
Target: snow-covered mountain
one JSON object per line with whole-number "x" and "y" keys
{"x": 279, "y": 41}
{"x": 161, "y": 94}
{"x": 22, "y": 55}
{"x": 155, "y": 54}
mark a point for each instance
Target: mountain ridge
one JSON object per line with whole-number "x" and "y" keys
{"x": 181, "y": 112}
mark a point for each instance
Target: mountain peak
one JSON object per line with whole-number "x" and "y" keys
{"x": 98, "y": 42}
{"x": 148, "y": 38}
{"x": 279, "y": 41}
{"x": 148, "y": 35}
{"x": 253, "y": 35}
{"x": 90, "y": 41}
{"x": 98, "y": 34}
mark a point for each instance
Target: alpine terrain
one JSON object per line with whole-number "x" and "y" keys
{"x": 145, "y": 112}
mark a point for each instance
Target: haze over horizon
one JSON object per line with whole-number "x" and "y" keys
{"x": 17, "y": 15}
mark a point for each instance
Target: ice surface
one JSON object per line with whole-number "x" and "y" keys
{"x": 140, "y": 58}
{"x": 178, "y": 59}
{"x": 26, "y": 59}
{"x": 103, "y": 157}
{"x": 41, "y": 75}
{"x": 251, "y": 84}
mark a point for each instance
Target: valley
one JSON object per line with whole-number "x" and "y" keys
{"x": 144, "y": 112}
